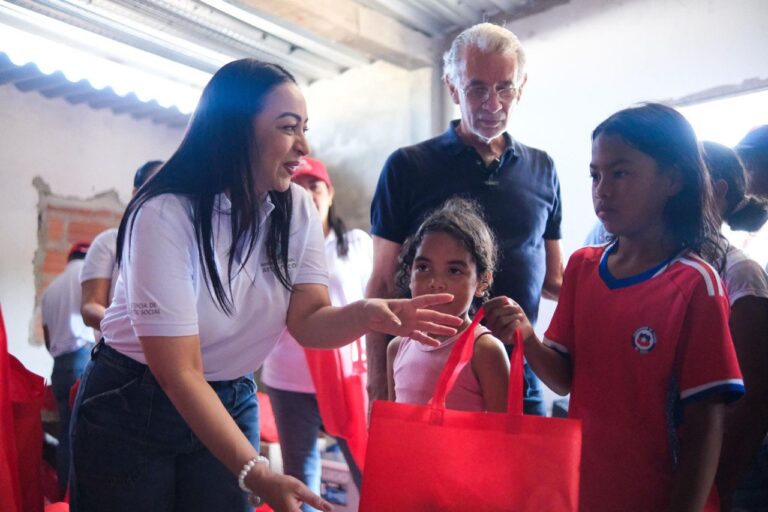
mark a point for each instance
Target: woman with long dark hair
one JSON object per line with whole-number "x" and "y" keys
{"x": 218, "y": 254}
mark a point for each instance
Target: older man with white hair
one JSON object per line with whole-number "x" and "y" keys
{"x": 516, "y": 185}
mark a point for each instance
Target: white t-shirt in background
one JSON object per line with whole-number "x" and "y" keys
{"x": 743, "y": 276}
{"x": 100, "y": 263}
{"x": 286, "y": 367}
{"x": 161, "y": 290}
{"x": 754, "y": 245}
{"x": 60, "y": 312}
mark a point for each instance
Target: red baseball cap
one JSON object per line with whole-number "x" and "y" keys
{"x": 78, "y": 248}
{"x": 312, "y": 167}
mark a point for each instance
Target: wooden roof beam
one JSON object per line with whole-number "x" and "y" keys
{"x": 350, "y": 24}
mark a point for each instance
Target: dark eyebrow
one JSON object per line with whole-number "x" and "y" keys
{"x": 297, "y": 117}
{"x": 613, "y": 163}
{"x": 503, "y": 83}
{"x": 458, "y": 262}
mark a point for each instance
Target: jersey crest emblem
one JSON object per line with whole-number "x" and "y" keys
{"x": 644, "y": 340}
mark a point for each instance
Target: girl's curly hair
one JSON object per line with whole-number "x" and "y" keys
{"x": 462, "y": 219}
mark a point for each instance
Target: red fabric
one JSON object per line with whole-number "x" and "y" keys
{"x": 622, "y": 385}
{"x": 27, "y": 391}
{"x": 73, "y": 393}
{"x": 429, "y": 458}
{"x": 50, "y": 482}
{"x": 10, "y": 489}
{"x": 49, "y": 401}
{"x": 57, "y": 507}
{"x": 341, "y": 397}
{"x": 267, "y": 425}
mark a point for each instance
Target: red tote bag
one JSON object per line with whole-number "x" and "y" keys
{"x": 341, "y": 396}
{"x": 429, "y": 458}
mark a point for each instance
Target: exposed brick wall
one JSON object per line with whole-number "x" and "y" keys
{"x": 63, "y": 221}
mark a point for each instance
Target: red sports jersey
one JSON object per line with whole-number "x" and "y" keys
{"x": 641, "y": 347}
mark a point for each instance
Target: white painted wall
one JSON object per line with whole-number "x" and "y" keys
{"x": 79, "y": 152}
{"x": 357, "y": 119}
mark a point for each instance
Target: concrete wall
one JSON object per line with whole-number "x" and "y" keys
{"x": 357, "y": 119}
{"x": 79, "y": 152}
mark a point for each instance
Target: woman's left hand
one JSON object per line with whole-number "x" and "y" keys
{"x": 410, "y": 317}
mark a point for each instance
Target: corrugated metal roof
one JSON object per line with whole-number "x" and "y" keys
{"x": 29, "y": 77}
{"x": 199, "y": 36}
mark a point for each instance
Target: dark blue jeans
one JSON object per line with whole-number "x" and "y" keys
{"x": 67, "y": 368}
{"x": 752, "y": 493}
{"x": 298, "y": 421}
{"x": 131, "y": 450}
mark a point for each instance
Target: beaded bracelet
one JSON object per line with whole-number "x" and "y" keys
{"x": 253, "y": 499}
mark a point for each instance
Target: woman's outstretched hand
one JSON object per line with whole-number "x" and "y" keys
{"x": 286, "y": 494}
{"x": 411, "y": 317}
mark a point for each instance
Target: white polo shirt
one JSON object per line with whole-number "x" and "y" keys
{"x": 100, "y": 263}
{"x": 60, "y": 312}
{"x": 743, "y": 276}
{"x": 286, "y": 367}
{"x": 161, "y": 289}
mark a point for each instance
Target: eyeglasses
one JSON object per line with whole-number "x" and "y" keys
{"x": 482, "y": 93}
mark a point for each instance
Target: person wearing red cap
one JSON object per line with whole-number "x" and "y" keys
{"x": 299, "y": 408}
{"x": 69, "y": 341}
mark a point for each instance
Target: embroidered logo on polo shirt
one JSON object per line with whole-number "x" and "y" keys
{"x": 145, "y": 308}
{"x": 644, "y": 340}
{"x": 267, "y": 267}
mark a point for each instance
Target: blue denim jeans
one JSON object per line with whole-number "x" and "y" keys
{"x": 298, "y": 423}
{"x": 131, "y": 450}
{"x": 67, "y": 368}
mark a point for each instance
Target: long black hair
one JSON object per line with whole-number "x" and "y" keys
{"x": 340, "y": 230}
{"x": 217, "y": 155}
{"x": 463, "y": 220}
{"x": 742, "y": 212}
{"x": 663, "y": 134}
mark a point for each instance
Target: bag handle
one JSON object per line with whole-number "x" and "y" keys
{"x": 461, "y": 355}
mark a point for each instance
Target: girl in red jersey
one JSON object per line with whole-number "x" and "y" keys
{"x": 640, "y": 335}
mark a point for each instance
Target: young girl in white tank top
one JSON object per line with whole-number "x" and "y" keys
{"x": 453, "y": 252}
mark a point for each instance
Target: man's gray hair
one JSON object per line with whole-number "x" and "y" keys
{"x": 489, "y": 39}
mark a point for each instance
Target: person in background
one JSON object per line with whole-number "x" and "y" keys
{"x": 453, "y": 251}
{"x": 291, "y": 385}
{"x": 99, "y": 273}
{"x": 598, "y": 235}
{"x": 746, "y": 423}
{"x": 753, "y": 152}
{"x": 69, "y": 341}
{"x": 219, "y": 253}
{"x": 516, "y": 186}
{"x": 640, "y": 336}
